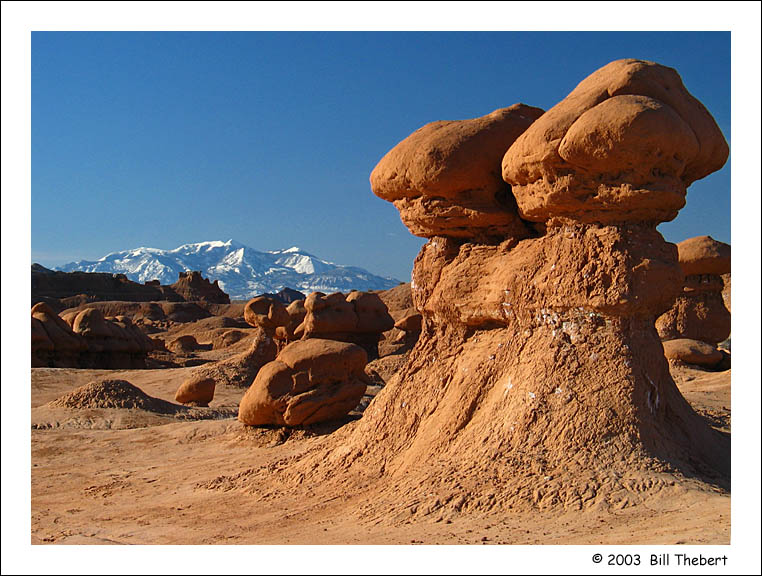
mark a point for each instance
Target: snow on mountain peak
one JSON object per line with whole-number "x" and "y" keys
{"x": 243, "y": 271}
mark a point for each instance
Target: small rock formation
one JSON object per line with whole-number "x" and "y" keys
{"x": 227, "y": 338}
{"x": 359, "y": 318}
{"x": 296, "y": 313}
{"x": 86, "y": 339}
{"x": 152, "y": 316}
{"x": 410, "y": 323}
{"x": 692, "y": 352}
{"x": 182, "y": 312}
{"x": 699, "y": 312}
{"x": 196, "y": 390}
{"x": 445, "y": 177}
{"x": 269, "y": 314}
{"x": 111, "y": 343}
{"x": 266, "y": 312}
{"x": 54, "y": 344}
{"x": 241, "y": 369}
{"x": 219, "y": 331}
{"x": 193, "y": 287}
{"x": 310, "y": 381}
{"x": 183, "y": 344}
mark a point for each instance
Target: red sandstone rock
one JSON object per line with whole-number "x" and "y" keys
{"x": 692, "y": 352}
{"x": 704, "y": 255}
{"x": 266, "y": 312}
{"x": 296, "y": 313}
{"x": 410, "y": 322}
{"x": 193, "y": 287}
{"x": 311, "y": 381}
{"x": 699, "y": 312}
{"x": 65, "y": 342}
{"x": 623, "y": 146}
{"x": 540, "y": 352}
{"x": 196, "y": 390}
{"x": 372, "y": 314}
{"x": 359, "y": 318}
{"x": 241, "y": 369}
{"x": 445, "y": 177}
{"x": 183, "y": 344}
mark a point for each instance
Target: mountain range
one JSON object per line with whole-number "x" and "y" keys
{"x": 242, "y": 271}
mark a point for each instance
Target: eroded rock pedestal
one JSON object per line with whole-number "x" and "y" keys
{"x": 539, "y": 377}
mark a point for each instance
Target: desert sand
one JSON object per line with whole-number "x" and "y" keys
{"x": 195, "y": 478}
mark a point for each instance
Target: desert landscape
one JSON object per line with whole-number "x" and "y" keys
{"x": 554, "y": 373}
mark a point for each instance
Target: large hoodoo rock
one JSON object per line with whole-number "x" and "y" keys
{"x": 539, "y": 377}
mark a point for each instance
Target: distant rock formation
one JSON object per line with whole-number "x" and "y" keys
{"x": 49, "y": 286}
{"x": 287, "y": 295}
{"x": 699, "y": 311}
{"x": 192, "y": 287}
{"x": 63, "y": 290}
{"x": 310, "y": 381}
{"x": 359, "y": 318}
{"x": 54, "y": 343}
{"x": 86, "y": 339}
{"x": 147, "y": 315}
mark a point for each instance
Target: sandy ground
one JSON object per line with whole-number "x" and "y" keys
{"x": 132, "y": 477}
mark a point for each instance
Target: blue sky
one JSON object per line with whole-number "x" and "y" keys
{"x": 159, "y": 139}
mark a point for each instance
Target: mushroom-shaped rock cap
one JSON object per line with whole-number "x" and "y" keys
{"x": 623, "y": 146}
{"x": 265, "y": 312}
{"x": 704, "y": 255}
{"x": 445, "y": 177}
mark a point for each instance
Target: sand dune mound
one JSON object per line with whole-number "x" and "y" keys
{"x": 113, "y": 394}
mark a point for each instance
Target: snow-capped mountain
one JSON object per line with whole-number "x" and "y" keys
{"x": 242, "y": 271}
